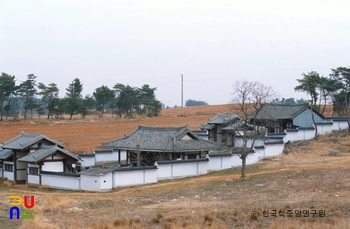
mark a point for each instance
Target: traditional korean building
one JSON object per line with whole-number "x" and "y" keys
{"x": 276, "y": 118}
{"x": 223, "y": 127}
{"x": 146, "y": 145}
{"x": 25, "y": 156}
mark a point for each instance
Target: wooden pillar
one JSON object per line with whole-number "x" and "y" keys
{"x": 14, "y": 167}
{"x": 138, "y": 155}
{"x": 27, "y": 173}
{"x": 64, "y": 165}
{"x": 40, "y": 174}
{"x": 3, "y": 167}
{"x": 119, "y": 156}
{"x": 128, "y": 156}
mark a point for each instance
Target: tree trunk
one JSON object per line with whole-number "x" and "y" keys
{"x": 243, "y": 157}
{"x": 325, "y": 104}
{"x": 48, "y": 115}
{"x": 347, "y": 109}
{"x": 313, "y": 121}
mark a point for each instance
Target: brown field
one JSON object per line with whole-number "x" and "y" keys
{"x": 304, "y": 178}
{"x": 86, "y": 135}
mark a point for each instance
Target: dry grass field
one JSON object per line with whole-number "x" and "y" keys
{"x": 86, "y": 135}
{"x": 305, "y": 179}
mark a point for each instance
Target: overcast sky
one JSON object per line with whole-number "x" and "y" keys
{"x": 212, "y": 43}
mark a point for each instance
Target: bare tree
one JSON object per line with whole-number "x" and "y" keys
{"x": 249, "y": 96}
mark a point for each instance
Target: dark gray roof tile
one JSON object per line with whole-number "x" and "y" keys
{"x": 162, "y": 139}
{"x": 182, "y": 161}
{"x": 277, "y": 111}
{"x": 5, "y": 153}
{"x": 96, "y": 171}
{"x": 135, "y": 168}
{"x": 24, "y": 141}
{"x": 222, "y": 118}
{"x": 60, "y": 174}
{"x": 45, "y": 151}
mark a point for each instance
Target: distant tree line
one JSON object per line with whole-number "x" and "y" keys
{"x": 289, "y": 101}
{"x": 192, "y": 102}
{"x": 32, "y": 97}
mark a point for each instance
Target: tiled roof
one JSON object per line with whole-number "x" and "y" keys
{"x": 103, "y": 151}
{"x": 45, "y": 151}
{"x": 162, "y": 139}
{"x": 229, "y": 154}
{"x": 24, "y": 141}
{"x": 207, "y": 126}
{"x": 277, "y": 111}
{"x": 182, "y": 161}
{"x": 241, "y": 151}
{"x": 60, "y": 174}
{"x": 273, "y": 142}
{"x": 222, "y": 118}
{"x": 135, "y": 168}
{"x": 96, "y": 171}
{"x": 339, "y": 119}
{"x": 306, "y": 128}
{"x": 5, "y": 153}
{"x": 86, "y": 155}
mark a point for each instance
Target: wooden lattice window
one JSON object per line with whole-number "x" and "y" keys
{"x": 277, "y": 127}
{"x": 33, "y": 171}
{"x": 9, "y": 168}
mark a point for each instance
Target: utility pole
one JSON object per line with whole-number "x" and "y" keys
{"x": 182, "y": 95}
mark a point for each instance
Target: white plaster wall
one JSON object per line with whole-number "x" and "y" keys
{"x": 324, "y": 129}
{"x": 134, "y": 177}
{"x": 88, "y": 161}
{"x": 273, "y": 149}
{"x": 339, "y": 125}
{"x": 90, "y": 183}
{"x": 308, "y": 134}
{"x": 103, "y": 157}
{"x": 58, "y": 156}
{"x": 33, "y": 179}
{"x": 106, "y": 182}
{"x": 60, "y": 182}
{"x": 293, "y": 136}
{"x": 225, "y": 162}
{"x": 54, "y": 166}
{"x": 122, "y": 155}
{"x": 239, "y": 142}
{"x": 217, "y": 163}
{"x": 164, "y": 171}
{"x": 255, "y": 157}
{"x": 9, "y": 175}
{"x": 179, "y": 170}
{"x": 260, "y": 153}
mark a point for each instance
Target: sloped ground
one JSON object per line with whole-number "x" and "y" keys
{"x": 86, "y": 135}
{"x": 305, "y": 179}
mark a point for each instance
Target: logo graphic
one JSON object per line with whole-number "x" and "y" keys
{"x": 16, "y": 201}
